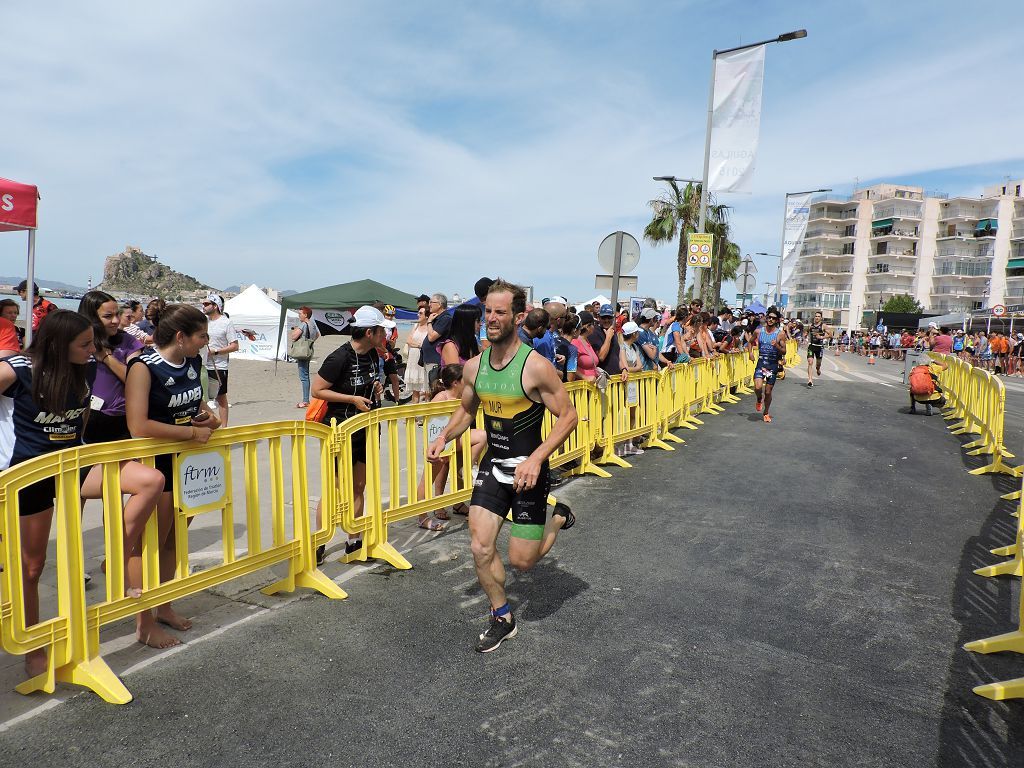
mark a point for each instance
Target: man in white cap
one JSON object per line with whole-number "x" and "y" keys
{"x": 223, "y": 342}
{"x": 350, "y": 380}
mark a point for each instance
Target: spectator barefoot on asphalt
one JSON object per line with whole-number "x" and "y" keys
{"x": 515, "y": 386}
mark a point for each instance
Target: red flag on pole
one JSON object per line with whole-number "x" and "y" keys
{"x": 18, "y": 205}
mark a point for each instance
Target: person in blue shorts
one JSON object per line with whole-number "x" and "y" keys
{"x": 771, "y": 347}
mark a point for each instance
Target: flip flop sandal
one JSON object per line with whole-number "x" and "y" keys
{"x": 441, "y": 514}
{"x": 461, "y": 508}
{"x": 432, "y": 525}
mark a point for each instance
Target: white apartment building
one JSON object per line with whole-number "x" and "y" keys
{"x": 950, "y": 253}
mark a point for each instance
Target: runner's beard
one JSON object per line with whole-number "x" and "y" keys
{"x": 500, "y": 333}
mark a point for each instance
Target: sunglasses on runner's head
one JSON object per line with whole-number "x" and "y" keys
{"x": 773, "y": 317}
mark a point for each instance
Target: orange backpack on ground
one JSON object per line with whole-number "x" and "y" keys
{"x": 921, "y": 382}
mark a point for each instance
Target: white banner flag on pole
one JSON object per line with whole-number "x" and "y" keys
{"x": 736, "y": 119}
{"x": 798, "y": 210}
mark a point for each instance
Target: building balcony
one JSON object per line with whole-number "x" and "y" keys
{"x": 975, "y": 250}
{"x": 959, "y": 213}
{"x": 822, "y": 234}
{"x": 892, "y": 272}
{"x": 889, "y": 288}
{"x": 891, "y": 233}
{"x": 823, "y": 250}
{"x": 822, "y": 269}
{"x": 897, "y": 212}
{"x": 894, "y": 253}
{"x": 959, "y": 291}
{"x": 832, "y": 197}
{"x": 960, "y": 234}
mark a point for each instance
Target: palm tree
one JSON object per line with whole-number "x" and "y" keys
{"x": 717, "y": 225}
{"x": 676, "y": 213}
{"x": 727, "y": 269}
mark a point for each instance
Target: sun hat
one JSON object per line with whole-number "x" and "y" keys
{"x": 648, "y": 314}
{"x": 368, "y": 317}
{"x": 606, "y": 311}
{"x": 556, "y": 300}
{"x": 628, "y": 329}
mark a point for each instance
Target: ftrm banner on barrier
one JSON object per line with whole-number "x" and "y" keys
{"x": 736, "y": 119}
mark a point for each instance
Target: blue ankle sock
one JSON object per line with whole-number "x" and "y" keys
{"x": 502, "y": 611}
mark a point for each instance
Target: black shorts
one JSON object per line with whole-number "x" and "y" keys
{"x": 222, "y": 376}
{"x": 359, "y": 447}
{"x": 165, "y": 464}
{"x": 41, "y": 495}
{"x": 813, "y": 350}
{"x": 104, "y": 428}
{"x": 529, "y": 508}
{"x": 767, "y": 371}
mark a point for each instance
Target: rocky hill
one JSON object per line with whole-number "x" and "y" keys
{"x": 136, "y": 273}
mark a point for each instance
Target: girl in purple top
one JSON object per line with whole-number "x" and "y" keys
{"x": 114, "y": 348}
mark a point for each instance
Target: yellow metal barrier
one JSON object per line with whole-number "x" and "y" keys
{"x": 1011, "y": 641}
{"x": 648, "y": 404}
{"x": 71, "y": 638}
{"x": 392, "y": 479}
{"x": 978, "y": 400}
{"x": 632, "y": 410}
{"x": 792, "y": 359}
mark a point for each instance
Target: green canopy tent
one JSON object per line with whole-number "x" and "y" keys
{"x": 333, "y": 306}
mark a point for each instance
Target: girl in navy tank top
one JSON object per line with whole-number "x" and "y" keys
{"x": 45, "y": 399}
{"x": 164, "y": 400}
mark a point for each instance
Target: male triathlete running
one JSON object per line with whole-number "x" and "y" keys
{"x": 771, "y": 347}
{"x": 818, "y": 336}
{"x": 515, "y": 385}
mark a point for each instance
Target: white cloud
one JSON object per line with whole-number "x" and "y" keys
{"x": 311, "y": 143}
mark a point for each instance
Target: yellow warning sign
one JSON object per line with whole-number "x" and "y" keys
{"x": 698, "y": 249}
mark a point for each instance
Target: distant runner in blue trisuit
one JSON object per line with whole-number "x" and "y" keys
{"x": 771, "y": 346}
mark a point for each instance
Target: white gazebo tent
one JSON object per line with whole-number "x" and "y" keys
{"x": 256, "y": 317}
{"x": 18, "y": 210}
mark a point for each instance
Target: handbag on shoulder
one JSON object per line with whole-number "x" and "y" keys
{"x": 302, "y": 347}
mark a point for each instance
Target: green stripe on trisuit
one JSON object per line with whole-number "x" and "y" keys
{"x": 530, "y": 532}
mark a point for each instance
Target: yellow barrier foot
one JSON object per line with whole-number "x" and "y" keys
{"x": 1008, "y": 689}
{"x": 1011, "y": 641}
{"x": 712, "y": 408}
{"x": 973, "y": 444}
{"x": 388, "y": 554}
{"x": 669, "y": 437}
{"x": 1009, "y": 568}
{"x": 659, "y": 444}
{"x": 93, "y": 674}
{"x": 983, "y": 451}
{"x": 729, "y": 398}
{"x": 1007, "y": 551}
{"x": 618, "y": 461}
{"x": 595, "y": 470}
{"x": 1012, "y": 496}
{"x": 689, "y": 424}
{"x": 995, "y": 466}
{"x": 315, "y": 579}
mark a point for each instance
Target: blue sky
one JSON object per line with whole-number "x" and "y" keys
{"x": 309, "y": 143}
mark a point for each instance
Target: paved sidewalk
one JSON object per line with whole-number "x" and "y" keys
{"x": 790, "y": 594}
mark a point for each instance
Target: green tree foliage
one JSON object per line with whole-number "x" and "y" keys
{"x": 675, "y": 214}
{"x": 904, "y": 303}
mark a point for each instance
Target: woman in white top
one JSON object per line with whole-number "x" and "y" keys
{"x": 416, "y": 374}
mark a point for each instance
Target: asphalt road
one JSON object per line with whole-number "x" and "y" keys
{"x": 793, "y": 594}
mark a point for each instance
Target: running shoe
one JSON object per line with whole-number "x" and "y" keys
{"x": 564, "y": 511}
{"x": 757, "y": 406}
{"x": 353, "y": 546}
{"x": 321, "y": 554}
{"x": 810, "y": 383}
{"x": 767, "y": 419}
{"x": 496, "y": 634}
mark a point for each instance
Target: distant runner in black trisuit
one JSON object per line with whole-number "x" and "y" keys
{"x": 515, "y": 385}
{"x": 817, "y": 337}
